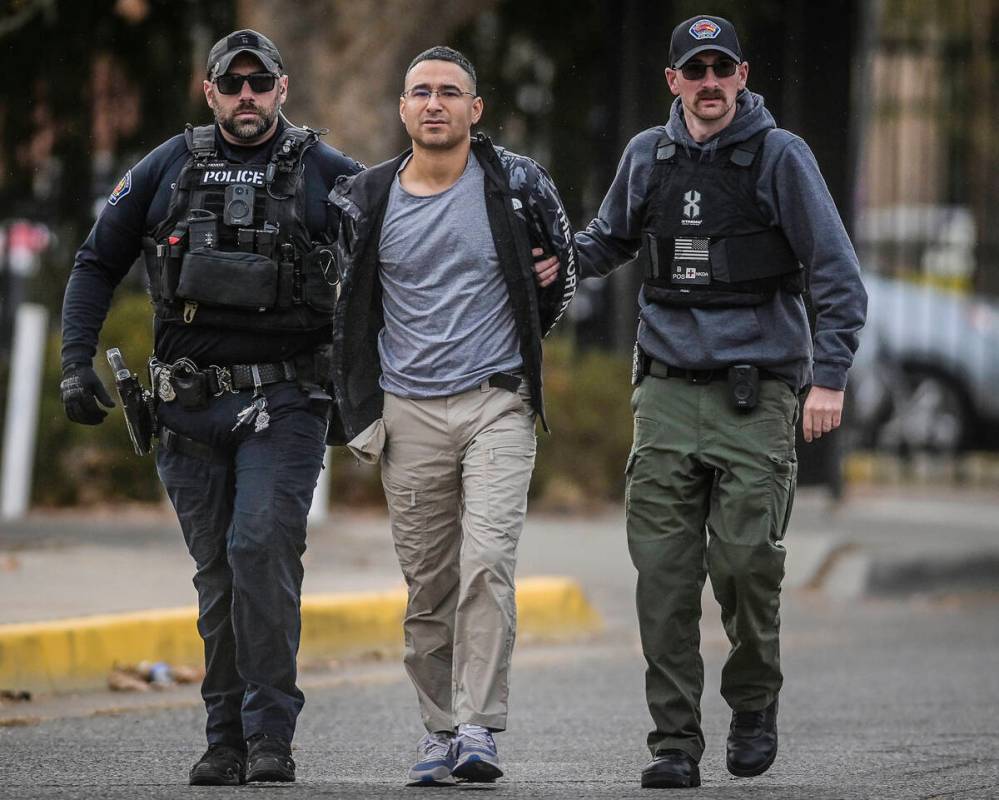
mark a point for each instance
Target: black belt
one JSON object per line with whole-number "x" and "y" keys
{"x": 235, "y": 377}
{"x": 659, "y": 370}
{"x": 242, "y": 374}
{"x": 174, "y": 442}
{"x": 504, "y": 380}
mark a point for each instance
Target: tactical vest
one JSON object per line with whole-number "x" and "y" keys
{"x": 705, "y": 240}
{"x": 233, "y": 251}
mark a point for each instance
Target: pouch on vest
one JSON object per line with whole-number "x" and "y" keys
{"x": 321, "y": 278}
{"x": 235, "y": 280}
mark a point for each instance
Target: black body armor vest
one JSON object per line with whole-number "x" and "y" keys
{"x": 233, "y": 251}
{"x": 705, "y": 240}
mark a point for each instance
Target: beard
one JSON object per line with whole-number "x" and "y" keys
{"x": 247, "y": 129}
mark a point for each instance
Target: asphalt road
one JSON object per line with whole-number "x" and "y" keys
{"x": 883, "y": 699}
{"x": 898, "y": 703}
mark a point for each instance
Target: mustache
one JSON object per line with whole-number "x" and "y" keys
{"x": 710, "y": 94}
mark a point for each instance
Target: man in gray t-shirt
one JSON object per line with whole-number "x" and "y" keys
{"x": 437, "y": 370}
{"x": 448, "y": 319}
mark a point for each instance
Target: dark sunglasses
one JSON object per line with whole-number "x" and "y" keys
{"x": 260, "y": 82}
{"x": 696, "y": 70}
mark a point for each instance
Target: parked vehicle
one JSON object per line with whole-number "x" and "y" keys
{"x": 926, "y": 376}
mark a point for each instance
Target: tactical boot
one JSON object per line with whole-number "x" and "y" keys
{"x": 269, "y": 760}
{"x": 752, "y": 741}
{"x": 671, "y": 769}
{"x": 221, "y": 765}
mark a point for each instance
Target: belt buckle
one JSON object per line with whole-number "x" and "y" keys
{"x": 699, "y": 378}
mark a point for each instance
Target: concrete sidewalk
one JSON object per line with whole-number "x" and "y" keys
{"x": 133, "y": 562}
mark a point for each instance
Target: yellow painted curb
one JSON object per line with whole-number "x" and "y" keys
{"x": 79, "y": 653}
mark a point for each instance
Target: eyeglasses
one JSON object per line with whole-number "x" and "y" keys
{"x": 421, "y": 94}
{"x": 696, "y": 70}
{"x": 231, "y": 83}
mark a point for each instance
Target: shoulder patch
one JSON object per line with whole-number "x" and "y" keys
{"x": 123, "y": 187}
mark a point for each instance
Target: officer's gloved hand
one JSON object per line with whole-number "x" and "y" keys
{"x": 80, "y": 390}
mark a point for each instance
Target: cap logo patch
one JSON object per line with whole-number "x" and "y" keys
{"x": 705, "y": 29}
{"x": 243, "y": 40}
{"x": 123, "y": 187}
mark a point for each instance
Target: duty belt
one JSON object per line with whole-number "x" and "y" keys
{"x": 659, "y": 370}
{"x": 218, "y": 379}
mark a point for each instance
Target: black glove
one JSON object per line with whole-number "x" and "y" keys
{"x": 80, "y": 390}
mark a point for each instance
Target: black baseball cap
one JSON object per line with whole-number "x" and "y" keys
{"x": 244, "y": 41}
{"x": 698, "y": 34}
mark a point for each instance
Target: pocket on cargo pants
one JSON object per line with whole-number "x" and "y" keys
{"x": 785, "y": 480}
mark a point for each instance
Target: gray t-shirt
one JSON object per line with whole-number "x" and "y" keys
{"x": 448, "y": 320}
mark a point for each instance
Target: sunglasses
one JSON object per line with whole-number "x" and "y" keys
{"x": 260, "y": 82}
{"x": 696, "y": 70}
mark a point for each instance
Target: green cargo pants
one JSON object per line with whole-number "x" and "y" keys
{"x": 709, "y": 492}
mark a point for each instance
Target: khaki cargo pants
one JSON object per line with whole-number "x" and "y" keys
{"x": 456, "y": 471}
{"x": 709, "y": 493}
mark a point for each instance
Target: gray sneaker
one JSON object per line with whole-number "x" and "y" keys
{"x": 434, "y": 761}
{"x": 475, "y": 755}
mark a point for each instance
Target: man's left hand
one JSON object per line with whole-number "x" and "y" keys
{"x": 545, "y": 269}
{"x": 822, "y": 413}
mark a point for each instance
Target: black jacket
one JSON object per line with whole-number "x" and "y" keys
{"x": 524, "y": 211}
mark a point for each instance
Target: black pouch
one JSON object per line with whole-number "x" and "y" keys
{"x": 191, "y": 387}
{"x": 235, "y": 280}
{"x": 321, "y": 278}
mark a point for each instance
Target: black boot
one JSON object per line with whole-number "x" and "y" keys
{"x": 269, "y": 759}
{"x": 221, "y": 765}
{"x": 671, "y": 769}
{"x": 752, "y": 741}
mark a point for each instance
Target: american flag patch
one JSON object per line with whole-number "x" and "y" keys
{"x": 690, "y": 249}
{"x": 691, "y": 261}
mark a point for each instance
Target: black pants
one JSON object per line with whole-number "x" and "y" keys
{"x": 243, "y": 517}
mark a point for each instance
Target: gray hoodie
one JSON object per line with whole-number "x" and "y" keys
{"x": 773, "y": 335}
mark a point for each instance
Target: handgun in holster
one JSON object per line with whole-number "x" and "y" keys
{"x": 314, "y": 370}
{"x": 136, "y": 403}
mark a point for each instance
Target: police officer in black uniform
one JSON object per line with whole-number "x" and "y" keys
{"x": 233, "y": 222}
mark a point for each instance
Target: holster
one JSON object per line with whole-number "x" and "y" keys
{"x": 137, "y": 405}
{"x": 314, "y": 370}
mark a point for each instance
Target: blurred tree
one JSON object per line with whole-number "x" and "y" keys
{"x": 346, "y": 61}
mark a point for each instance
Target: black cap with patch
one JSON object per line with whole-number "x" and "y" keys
{"x": 699, "y": 34}
{"x": 245, "y": 41}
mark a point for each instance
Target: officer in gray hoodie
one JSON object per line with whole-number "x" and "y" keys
{"x": 729, "y": 217}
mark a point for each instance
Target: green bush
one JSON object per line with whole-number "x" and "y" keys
{"x": 587, "y": 402}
